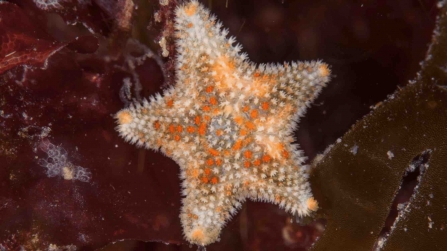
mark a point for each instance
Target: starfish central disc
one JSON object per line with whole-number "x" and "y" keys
{"x": 229, "y": 124}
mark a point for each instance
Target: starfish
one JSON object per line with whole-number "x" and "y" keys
{"x": 229, "y": 124}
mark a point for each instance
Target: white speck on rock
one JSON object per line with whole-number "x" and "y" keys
{"x": 390, "y": 155}
{"x": 54, "y": 247}
{"x": 354, "y": 149}
{"x": 430, "y": 222}
{"x": 163, "y": 45}
{"x": 67, "y": 173}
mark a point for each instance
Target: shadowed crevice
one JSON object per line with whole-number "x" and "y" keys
{"x": 409, "y": 185}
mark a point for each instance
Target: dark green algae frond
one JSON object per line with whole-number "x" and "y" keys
{"x": 357, "y": 179}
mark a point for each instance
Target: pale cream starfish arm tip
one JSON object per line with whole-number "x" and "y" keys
{"x": 229, "y": 125}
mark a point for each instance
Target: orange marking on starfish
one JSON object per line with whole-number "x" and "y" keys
{"x": 237, "y": 145}
{"x": 177, "y": 137}
{"x": 285, "y": 154}
{"x": 124, "y": 117}
{"x": 171, "y": 128}
{"x": 277, "y": 198}
{"x": 157, "y": 125}
{"x": 205, "y": 179}
{"x": 208, "y": 171}
{"x": 248, "y": 154}
{"x": 209, "y": 162}
{"x": 213, "y": 152}
{"x": 170, "y": 103}
{"x": 191, "y": 129}
{"x": 247, "y": 164}
{"x": 209, "y": 89}
{"x": 266, "y": 158}
{"x": 257, "y": 162}
{"x": 312, "y": 204}
{"x": 324, "y": 70}
{"x": 261, "y": 87}
{"x": 219, "y": 132}
{"x": 243, "y": 132}
{"x": 213, "y": 101}
{"x": 194, "y": 172}
{"x": 206, "y": 108}
{"x": 197, "y": 120}
{"x": 191, "y": 9}
{"x": 214, "y": 180}
{"x": 245, "y": 108}
{"x": 224, "y": 68}
{"x": 218, "y": 162}
{"x": 254, "y": 113}
{"x": 231, "y": 65}
{"x": 179, "y": 128}
{"x": 239, "y": 120}
{"x": 202, "y": 129}
{"x": 280, "y": 146}
{"x": 265, "y": 106}
{"x": 250, "y": 125}
{"x": 168, "y": 152}
{"x": 193, "y": 216}
{"x": 190, "y": 25}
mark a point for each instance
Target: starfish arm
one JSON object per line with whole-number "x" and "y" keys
{"x": 168, "y": 123}
{"x": 204, "y": 217}
{"x": 298, "y": 84}
{"x": 285, "y": 186}
{"x": 152, "y": 124}
{"x": 135, "y": 127}
{"x": 208, "y": 205}
{"x": 201, "y": 39}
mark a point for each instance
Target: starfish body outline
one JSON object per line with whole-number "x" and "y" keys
{"x": 229, "y": 124}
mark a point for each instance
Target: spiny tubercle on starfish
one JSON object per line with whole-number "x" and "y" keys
{"x": 229, "y": 125}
